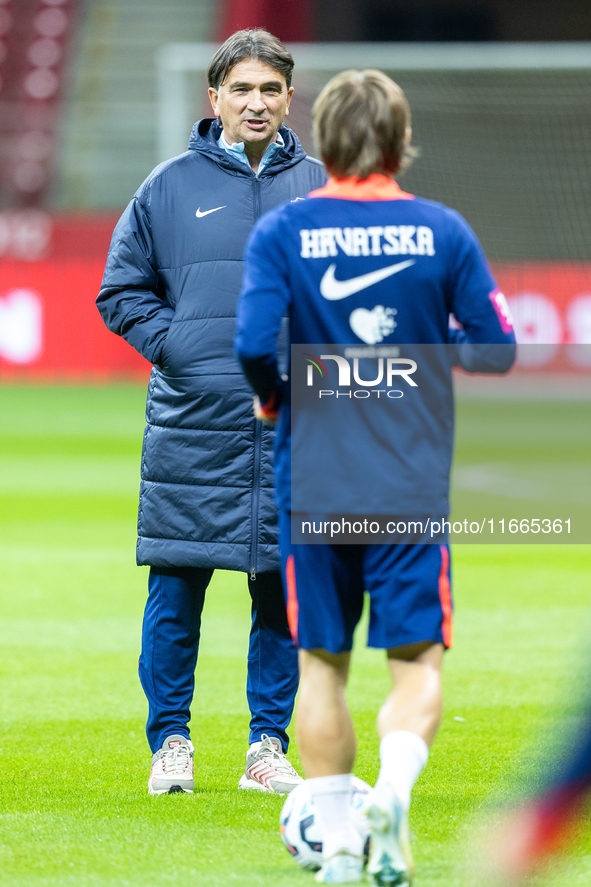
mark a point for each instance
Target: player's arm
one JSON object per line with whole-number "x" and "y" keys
{"x": 132, "y": 300}
{"x": 486, "y": 341}
{"x": 264, "y": 299}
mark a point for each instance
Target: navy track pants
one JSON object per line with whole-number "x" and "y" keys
{"x": 170, "y": 643}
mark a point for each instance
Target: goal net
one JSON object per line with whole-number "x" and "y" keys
{"x": 504, "y": 133}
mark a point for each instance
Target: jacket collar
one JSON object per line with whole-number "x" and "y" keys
{"x": 204, "y": 140}
{"x": 375, "y": 187}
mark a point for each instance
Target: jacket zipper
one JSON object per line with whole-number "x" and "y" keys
{"x": 258, "y": 434}
{"x": 257, "y": 197}
{"x": 256, "y": 480}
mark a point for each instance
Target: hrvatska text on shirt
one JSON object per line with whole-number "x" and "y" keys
{"x": 375, "y": 240}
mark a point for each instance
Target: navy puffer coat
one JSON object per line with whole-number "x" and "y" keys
{"x": 170, "y": 288}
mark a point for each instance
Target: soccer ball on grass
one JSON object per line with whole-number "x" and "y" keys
{"x": 299, "y": 827}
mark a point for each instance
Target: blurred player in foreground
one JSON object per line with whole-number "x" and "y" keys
{"x": 531, "y": 832}
{"x": 298, "y": 259}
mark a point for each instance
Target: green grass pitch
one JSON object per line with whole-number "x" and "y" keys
{"x": 74, "y": 808}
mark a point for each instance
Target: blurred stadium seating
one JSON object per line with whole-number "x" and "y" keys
{"x": 104, "y": 120}
{"x": 35, "y": 37}
{"x": 110, "y": 124}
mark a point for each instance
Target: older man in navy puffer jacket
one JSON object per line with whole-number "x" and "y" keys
{"x": 170, "y": 289}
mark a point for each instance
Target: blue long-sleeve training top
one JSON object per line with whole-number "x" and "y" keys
{"x": 366, "y": 264}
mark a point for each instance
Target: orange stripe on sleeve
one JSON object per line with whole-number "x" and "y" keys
{"x": 447, "y": 628}
{"x": 292, "y": 598}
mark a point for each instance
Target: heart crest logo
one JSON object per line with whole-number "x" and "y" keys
{"x": 21, "y": 326}
{"x": 372, "y": 326}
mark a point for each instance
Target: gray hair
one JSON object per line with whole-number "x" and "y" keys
{"x": 253, "y": 43}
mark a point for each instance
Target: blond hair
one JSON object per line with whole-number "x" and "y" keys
{"x": 362, "y": 125}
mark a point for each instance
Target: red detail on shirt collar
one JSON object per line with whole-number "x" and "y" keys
{"x": 375, "y": 187}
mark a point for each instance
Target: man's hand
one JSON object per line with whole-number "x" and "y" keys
{"x": 269, "y": 417}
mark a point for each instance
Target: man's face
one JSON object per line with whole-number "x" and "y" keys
{"x": 251, "y": 103}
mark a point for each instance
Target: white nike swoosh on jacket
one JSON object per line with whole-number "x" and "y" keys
{"x": 200, "y": 214}
{"x": 334, "y": 289}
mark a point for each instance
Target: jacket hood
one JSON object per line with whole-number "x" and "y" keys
{"x": 204, "y": 139}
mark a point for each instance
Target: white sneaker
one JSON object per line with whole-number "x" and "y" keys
{"x": 267, "y": 768}
{"x": 172, "y": 767}
{"x": 342, "y": 868}
{"x": 390, "y": 860}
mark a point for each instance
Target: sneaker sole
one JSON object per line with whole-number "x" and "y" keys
{"x": 349, "y": 871}
{"x": 390, "y": 862}
{"x": 171, "y": 790}
{"x": 252, "y": 785}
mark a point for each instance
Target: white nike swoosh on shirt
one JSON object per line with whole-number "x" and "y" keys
{"x": 200, "y": 214}
{"x": 334, "y": 289}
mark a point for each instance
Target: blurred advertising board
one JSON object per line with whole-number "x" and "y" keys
{"x": 551, "y": 305}
{"x": 51, "y": 268}
{"x": 50, "y": 273}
